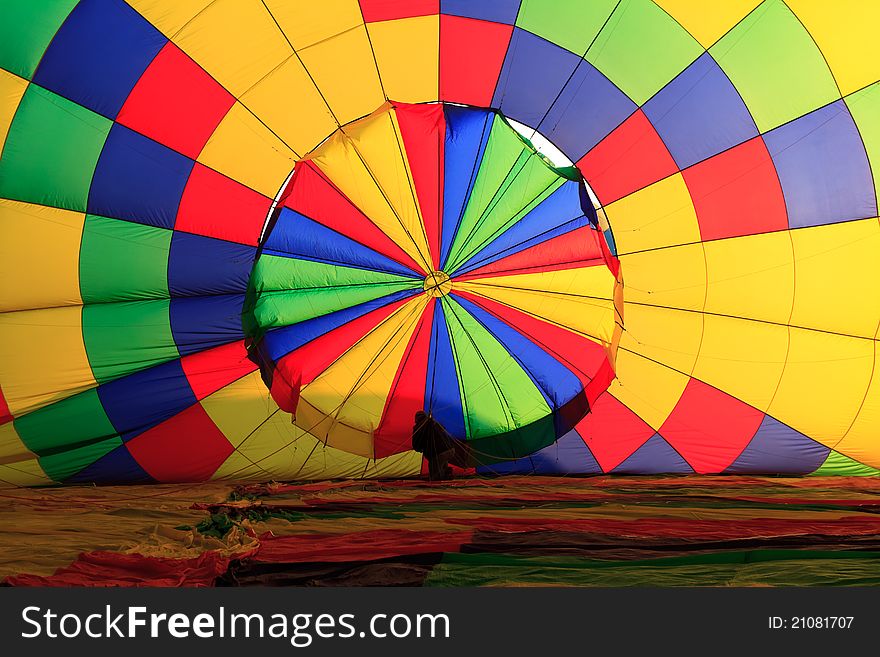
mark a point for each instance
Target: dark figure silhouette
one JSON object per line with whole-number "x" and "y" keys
{"x": 431, "y": 439}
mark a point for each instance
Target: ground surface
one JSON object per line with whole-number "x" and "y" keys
{"x": 515, "y": 531}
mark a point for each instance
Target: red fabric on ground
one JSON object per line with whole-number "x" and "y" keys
{"x": 358, "y": 546}
{"x": 112, "y": 569}
{"x": 682, "y": 528}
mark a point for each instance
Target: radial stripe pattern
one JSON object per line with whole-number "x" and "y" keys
{"x": 520, "y": 238}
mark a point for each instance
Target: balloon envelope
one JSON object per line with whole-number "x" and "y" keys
{"x": 733, "y": 149}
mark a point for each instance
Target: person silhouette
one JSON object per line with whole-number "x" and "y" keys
{"x": 434, "y": 442}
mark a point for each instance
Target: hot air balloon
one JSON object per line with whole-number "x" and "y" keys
{"x": 247, "y": 240}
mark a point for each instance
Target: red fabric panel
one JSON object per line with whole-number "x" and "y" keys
{"x": 311, "y": 194}
{"x": 407, "y": 391}
{"x": 285, "y": 391}
{"x": 471, "y": 55}
{"x": 582, "y": 356}
{"x": 302, "y": 365}
{"x": 186, "y": 447}
{"x": 216, "y": 206}
{"x": 737, "y": 192}
{"x": 423, "y": 128}
{"x": 631, "y": 157}
{"x": 114, "y": 569}
{"x": 358, "y": 546}
{"x": 5, "y": 415}
{"x": 612, "y": 432}
{"x": 176, "y": 103}
{"x": 578, "y": 248}
{"x": 386, "y": 10}
{"x": 208, "y": 371}
{"x": 709, "y": 428}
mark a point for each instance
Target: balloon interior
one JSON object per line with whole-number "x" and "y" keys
{"x": 248, "y": 241}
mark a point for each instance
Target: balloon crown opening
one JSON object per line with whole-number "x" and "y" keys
{"x": 437, "y": 284}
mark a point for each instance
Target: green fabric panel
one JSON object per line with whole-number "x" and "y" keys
{"x": 864, "y": 106}
{"x": 497, "y": 395}
{"x": 278, "y": 273}
{"x": 505, "y": 156}
{"x": 66, "y": 464}
{"x": 775, "y": 65}
{"x": 642, "y": 48}
{"x": 839, "y": 465}
{"x": 512, "y": 207}
{"x": 26, "y": 30}
{"x": 319, "y": 289}
{"x": 123, "y": 260}
{"x": 127, "y": 336}
{"x": 69, "y": 422}
{"x": 742, "y": 568}
{"x": 572, "y": 24}
{"x": 53, "y": 139}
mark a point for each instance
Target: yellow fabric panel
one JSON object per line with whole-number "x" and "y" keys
{"x": 345, "y": 71}
{"x": 12, "y": 450}
{"x": 751, "y": 276}
{"x": 242, "y": 148}
{"x": 365, "y": 162}
{"x": 408, "y": 55}
{"x": 290, "y": 104}
{"x": 238, "y": 408}
{"x": 659, "y": 215}
{"x": 671, "y": 337}
{"x": 846, "y": 33}
{"x": 861, "y": 441}
{"x": 42, "y": 357}
{"x": 24, "y": 473}
{"x": 824, "y": 382}
{"x": 649, "y": 389}
{"x": 674, "y": 277}
{"x": 307, "y": 23}
{"x": 838, "y": 270}
{"x": 279, "y": 450}
{"x": 345, "y": 402}
{"x": 743, "y": 358}
{"x": 707, "y": 24}
{"x": 580, "y": 300}
{"x": 169, "y": 17}
{"x": 39, "y": 256}
{"x": 235, "y": 41}
{"x": 12, "y": 88}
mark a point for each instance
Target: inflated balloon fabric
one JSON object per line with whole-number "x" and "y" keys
{"x": 241, "y": 239}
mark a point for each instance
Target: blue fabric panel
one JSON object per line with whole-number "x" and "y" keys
{"x": 442, "y": 396}
{"x": 776, "y": 448}
{"x": 823, "y": 168}
{"x": 589, "y": 107}
{"x": 497, "y": 11}
{"x": 561, "y": 208}
{"x": 700, "y": 113}
{"x": 140, "y": 401}
{"x": 199, "y": 323}
{"x": 656, "y": 456}
{"x": 116, "y": 466}
{"x": 199, "y": 265}
{"x": 467, "y": 131}
{"x": 138, "y": 179}
{"x": 555, "y": 381}
{"x": 567, "y": 456}
{"x": 533, "y": 74}
{"x": 296, "y": 236}
{"x": 279, "y": 342}
{"x": 98, "y": 55}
